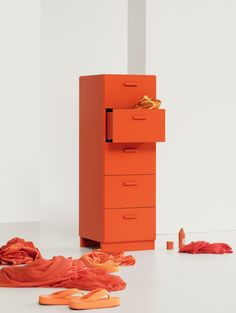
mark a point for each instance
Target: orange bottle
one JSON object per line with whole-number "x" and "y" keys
{"x": 181, "y": 238}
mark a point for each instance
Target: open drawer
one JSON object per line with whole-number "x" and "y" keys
{"x": 135, "y": 125}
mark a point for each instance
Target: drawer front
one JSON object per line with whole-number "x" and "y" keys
{"x": 130, "y": 224}
{"x": 130, "y": 191}
{"x": 136, "y": 125}
{"x": 122, "y": 158}
{"x": 124, "y": 91}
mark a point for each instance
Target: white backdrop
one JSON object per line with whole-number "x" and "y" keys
{"x": 19, "y": 110}
{"x": 191, "y": 46}
{"x": 84, "y": 37}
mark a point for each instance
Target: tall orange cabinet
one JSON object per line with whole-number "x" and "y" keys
{"x": 117, "y": 156}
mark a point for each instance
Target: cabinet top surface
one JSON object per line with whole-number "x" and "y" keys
{"x": 119, "y": 75}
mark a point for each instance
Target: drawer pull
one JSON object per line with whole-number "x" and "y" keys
{"x": 130, "y": 217}
{"x": 139, "y": 117}
{"x": 130, "y": 84}
{"x": 130, "y": 150}
{"x": 129, "y": 183}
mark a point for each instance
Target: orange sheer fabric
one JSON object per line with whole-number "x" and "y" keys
{"x": 18, "y": 251}
{"x": 111, "y": 261}
{"x": 59, "y": 272}
{"x": 206, "y": 247}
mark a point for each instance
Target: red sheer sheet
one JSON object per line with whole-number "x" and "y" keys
{"x": 111, "y": 261}
{"x": 59, "y": 272}
{"x": 18, "y": 251}
{"x": 206, "y": 247}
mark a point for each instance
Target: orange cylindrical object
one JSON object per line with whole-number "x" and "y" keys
{"x": 169, "y": 245}
{"x": 181, "y": 238}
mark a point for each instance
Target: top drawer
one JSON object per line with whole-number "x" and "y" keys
{"x": 124, "y": 91}
{"x": 135, "y": 125}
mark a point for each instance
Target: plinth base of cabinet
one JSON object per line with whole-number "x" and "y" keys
{"x": 118, "y": 246}
{"x": 87, "y": 243}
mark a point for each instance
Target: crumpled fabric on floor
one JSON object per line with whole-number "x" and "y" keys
{"x": 206, "y": 247}
{"x": 148, "y": 103}
{"x": 111, "y": 261}
{"x": 18, "y": 251}
{"x": 59, "y": 272}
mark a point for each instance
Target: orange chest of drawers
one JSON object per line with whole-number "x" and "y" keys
{"x": 117, "y": 156}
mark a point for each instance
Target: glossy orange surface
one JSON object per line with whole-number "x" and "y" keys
{"x": 124, "y": 91}
{"x": 130, "y": 158}
{"x": 117, "y": 188}
{"x": 136, "y": 125}
{"x": 130, "y": 191}
{"x": 134, "y": 224}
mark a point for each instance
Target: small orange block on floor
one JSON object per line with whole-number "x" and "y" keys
{"x": 169, "y": 245}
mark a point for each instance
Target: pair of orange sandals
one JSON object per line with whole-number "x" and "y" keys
{"x": 95, "y": 299}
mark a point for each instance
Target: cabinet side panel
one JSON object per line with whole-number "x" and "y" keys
{"x": 91, "y": 158}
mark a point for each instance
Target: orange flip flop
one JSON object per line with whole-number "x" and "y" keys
{"x": 60, "y": 297}
{"x": 96, "y": 299}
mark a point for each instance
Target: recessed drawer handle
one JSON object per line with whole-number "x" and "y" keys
{"x": 130, "y": 217}
{"x": 139, "y": 117}
{"x": 130, "y": 150}
{"x": 130, "y": 84}
{"x": 129, "y": 183}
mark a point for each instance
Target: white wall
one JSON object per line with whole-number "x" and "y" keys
{"x": 78, "y": 38}
{"x": 19, "y": 110}
{"x": 191, "y": 46}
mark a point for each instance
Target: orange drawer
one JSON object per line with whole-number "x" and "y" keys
{"x": 124, "y": 91}
{"x": 130, "y": 224}
{"x": 132, "y": 158}
{"x": 135, "y": 125}
{"x": 130, "y": 191}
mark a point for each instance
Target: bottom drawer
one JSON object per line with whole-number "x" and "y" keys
{"x": 134, "y": 224}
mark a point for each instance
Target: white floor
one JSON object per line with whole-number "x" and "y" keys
{"x": 162, "y": 281}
